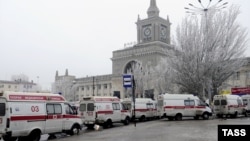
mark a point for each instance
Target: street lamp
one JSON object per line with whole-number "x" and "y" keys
{"x": 205, "y": 8}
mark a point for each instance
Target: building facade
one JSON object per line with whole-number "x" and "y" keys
{"x": 153, "y": 44}
{"x": 153, "y": 39}
{"x": 19, "y": 86}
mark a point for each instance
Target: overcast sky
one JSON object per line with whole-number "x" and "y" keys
{"x": 39, "y": 37}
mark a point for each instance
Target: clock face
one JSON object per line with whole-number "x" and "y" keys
{"x": 163, "y": 31}
{"x": 147, "y": 31}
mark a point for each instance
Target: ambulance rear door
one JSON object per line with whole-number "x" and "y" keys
{"x": 87, "y": 112}
{"x": 3, "y": 115}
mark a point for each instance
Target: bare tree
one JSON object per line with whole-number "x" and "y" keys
{"x": 164, "y": 76}
{"x": 208, "y": 54}
{"x": 20, "y": 78}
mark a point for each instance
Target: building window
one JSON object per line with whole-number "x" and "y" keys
{"x": 247, "y": 74}
{"x": 82, "y": 88}
{"x": 105, "y": 86}
{"x": 99, "y": 86}
{"x": 238, "y": 75}
{"x": 9, "y": 86}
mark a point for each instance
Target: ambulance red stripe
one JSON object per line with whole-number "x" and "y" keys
{"x": 104, "y": 112}
{"x": 183, "y": 107}
{"x": 41, "y": 117}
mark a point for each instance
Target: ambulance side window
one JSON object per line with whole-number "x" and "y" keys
{"x": 149, "y": 105}
{"x": 245, "y": 101}
{"x": 189, "y": 102}
{"x": 68, "y": 109}
{"x": 116, "y": 106}
{"x": 54, "y": 108}
{"x": 50, "y": 108}
{"x": 239, "y": 102}
{"x": 201, "y": 103}
{"x": 2, "y": 109}
{"x": 58, "y": 108}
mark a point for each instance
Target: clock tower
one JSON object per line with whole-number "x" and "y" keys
{"x": 153, "y": 28}
{"x": 153, "y": 44}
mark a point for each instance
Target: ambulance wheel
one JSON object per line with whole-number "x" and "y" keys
{"x": 7, "y": 138}
{"x": 126, "y": 121}
{"x": 205, "y": 116}
{"x": 219, "y": 116}
{"x": 178, "y": 117}
{"x": 74, "y": 130}
{"x": 234, "y": 115}
{"x": 142, "y": 118}
{"x": 34, "y": 136}
{"x": 108, "y": 124}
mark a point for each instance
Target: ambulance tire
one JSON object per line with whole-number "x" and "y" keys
{"x": 108, "y": 124}
{"x": 142, "y": 118}
{"x": 34, "y": 136}
{"x": 178, "y": 117}
{"x": 74, "y": 130}
{"x": 126, "y": 121}
{"x": 205, "y": 116}
{"x": 235, "y": 115}
{"x": 6, "y": 138}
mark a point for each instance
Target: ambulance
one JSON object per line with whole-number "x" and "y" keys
{"x": 246, "y": 102}
{"x": 27, "y": 116}
{"x": 145, "y": 108}
{"x": 228, "y": 105}
{"x": 104, "y": 111}
{"x": 176, "y": 106}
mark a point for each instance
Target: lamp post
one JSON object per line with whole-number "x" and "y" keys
{"x": 93, "y": 86}
{"x": 193, "y": 9}
{"x": 203, "y": 10}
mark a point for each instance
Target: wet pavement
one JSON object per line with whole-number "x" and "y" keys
{"x": 157, "y": 130}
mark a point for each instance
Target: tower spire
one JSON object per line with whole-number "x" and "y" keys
{"x": 153, "y": 9}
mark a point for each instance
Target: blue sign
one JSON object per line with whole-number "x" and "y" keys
{"x": 127, "y": 81}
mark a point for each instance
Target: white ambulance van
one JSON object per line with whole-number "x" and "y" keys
{"x": 27, "y": 116}
{"x": 176, "y": 106}
{"x": 246, "y": 102}
{"x": 145, "y": 108}
{"x": 103, "y": 111}
{"x": 228, "y": 105}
